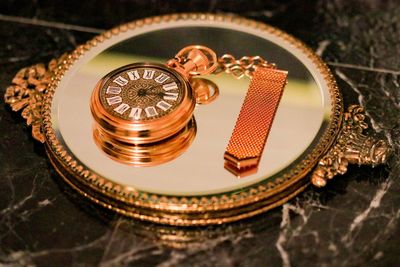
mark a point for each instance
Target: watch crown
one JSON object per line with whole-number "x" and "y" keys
{"x": 194, "y": 60}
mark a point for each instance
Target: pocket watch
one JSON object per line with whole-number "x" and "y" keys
{"x": 144, "y": 103}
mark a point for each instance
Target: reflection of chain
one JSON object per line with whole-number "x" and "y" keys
{"x": 244, "y": 66}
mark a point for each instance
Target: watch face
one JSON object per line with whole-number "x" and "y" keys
{"x": 141, "y": 93}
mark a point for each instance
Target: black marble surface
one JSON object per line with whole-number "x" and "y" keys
{"x": 354, "y": 221}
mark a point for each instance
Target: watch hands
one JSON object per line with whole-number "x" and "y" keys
{"x": 149, "y": 91}
{"x": 156, "y": 94}
{"x": 151, "y": 88}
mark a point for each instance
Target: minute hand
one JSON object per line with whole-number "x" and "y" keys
{"x": 151, "y": 88}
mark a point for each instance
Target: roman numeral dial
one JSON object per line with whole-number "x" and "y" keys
{"x": 141, "y": 93}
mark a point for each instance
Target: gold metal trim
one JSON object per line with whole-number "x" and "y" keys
{"x": 351, "y": 147}
{"x": 27, "y": 91}
{"x": 192, "y": 210}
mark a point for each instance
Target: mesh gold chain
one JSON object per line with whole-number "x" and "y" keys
{"x": 245, "y": 66}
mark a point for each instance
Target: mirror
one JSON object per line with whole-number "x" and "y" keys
{"x": 303, "y": 116}
{"x": 192, "y": 187}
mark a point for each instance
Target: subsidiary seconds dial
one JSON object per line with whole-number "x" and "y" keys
{"x": 141, "y": 93}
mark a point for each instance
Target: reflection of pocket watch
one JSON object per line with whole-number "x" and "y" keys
{"x": 151, "y": 154}
{"x": 144, "y": 103}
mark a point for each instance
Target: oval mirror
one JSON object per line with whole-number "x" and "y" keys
{"x": 194, "y": 188}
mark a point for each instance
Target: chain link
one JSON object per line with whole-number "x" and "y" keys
{"x": 244, "y": 66}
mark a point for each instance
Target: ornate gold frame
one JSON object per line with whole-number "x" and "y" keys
{"x": 193, "y": 210}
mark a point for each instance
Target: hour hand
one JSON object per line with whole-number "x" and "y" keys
{"x": 155, "y": 93}
{"x": 151, "y": 88}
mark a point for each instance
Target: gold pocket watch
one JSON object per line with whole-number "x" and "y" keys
{"x": 134, "y": 141}
{"x": 144, "y": 103}
{"x": 139, "y": 105}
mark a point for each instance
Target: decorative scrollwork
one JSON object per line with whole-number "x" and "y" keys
{"x": 27, "y": 90}
{"x": 351, "y": 147}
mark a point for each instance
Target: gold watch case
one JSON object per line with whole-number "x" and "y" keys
{"x": 312, "y": 138}
{"x": 150, "y": 130}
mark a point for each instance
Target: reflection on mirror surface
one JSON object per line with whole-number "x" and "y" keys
{"x": 146, "y": 155}
{"x": 301, "y": 117}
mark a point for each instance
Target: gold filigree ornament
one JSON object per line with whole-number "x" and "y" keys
{"x": 351, "y": 147}
{"x": 194, "y": 189}
{"x": 27, "y": 91}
